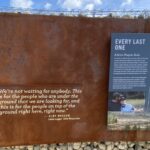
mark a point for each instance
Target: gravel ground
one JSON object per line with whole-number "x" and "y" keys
{"x": 85, "y": 146}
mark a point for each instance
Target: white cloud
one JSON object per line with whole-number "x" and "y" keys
{"x": 79, "y": 4}
{"x": 89, "y": 6}
{"x": 97, "y": 2}
{"x": 24, "y": 4}
{"x": 70, "y": 4}
{"x": 47, "y": 5}
{"x": 59, "y": 2}
{"x": 126, "y": 2}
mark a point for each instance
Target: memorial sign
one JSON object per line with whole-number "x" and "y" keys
{"x": 129, "y": 82}
{"x": 54, "y": 78}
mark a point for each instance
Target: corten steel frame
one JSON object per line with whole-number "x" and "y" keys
{"x": 43, "y": 50}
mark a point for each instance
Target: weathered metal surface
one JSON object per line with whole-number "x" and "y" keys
{"x": 45, "y": 50}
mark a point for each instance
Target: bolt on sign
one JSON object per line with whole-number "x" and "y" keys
{"x": 54, "y": 78}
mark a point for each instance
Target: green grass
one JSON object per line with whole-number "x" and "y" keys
{"x": 136, "y": 102}
{"x": 111, "y": 118}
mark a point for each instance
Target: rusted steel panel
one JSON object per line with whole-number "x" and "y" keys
{"x": 45, "y": 51}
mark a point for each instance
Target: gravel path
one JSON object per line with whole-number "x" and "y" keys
{"x": 86, "y": 146}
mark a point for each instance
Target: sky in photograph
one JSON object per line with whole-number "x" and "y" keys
{"x": 62, "y": 5}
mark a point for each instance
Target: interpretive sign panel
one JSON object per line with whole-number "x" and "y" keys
{"x": 129, "y": 87}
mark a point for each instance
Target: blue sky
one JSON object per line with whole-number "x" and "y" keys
{"x": 77, "y": 4}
